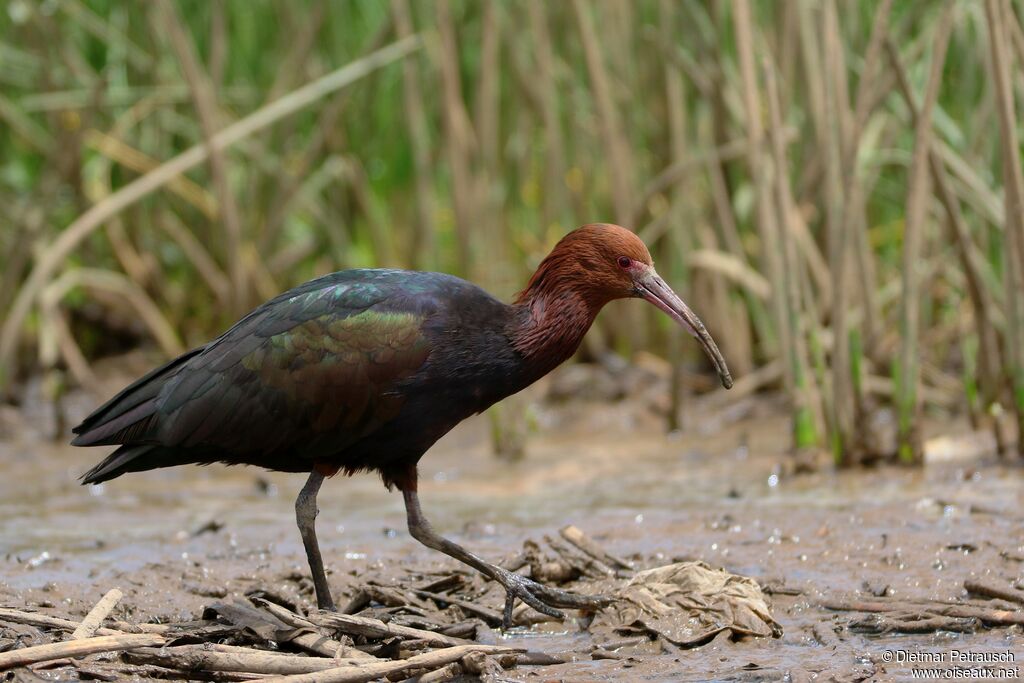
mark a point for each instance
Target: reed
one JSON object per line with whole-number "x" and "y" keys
{"x": 822, "y": 180}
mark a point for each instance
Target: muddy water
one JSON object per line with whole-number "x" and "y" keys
{"x": 177, "y": 539}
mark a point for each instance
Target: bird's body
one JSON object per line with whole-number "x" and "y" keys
{"x": 366, "y": 370}
{"x": 356, "y": 370}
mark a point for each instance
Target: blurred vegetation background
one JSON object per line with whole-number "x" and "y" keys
{"x": 835, "y": 187}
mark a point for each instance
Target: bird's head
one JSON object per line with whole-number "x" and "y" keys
{"x": 603, "y": 262}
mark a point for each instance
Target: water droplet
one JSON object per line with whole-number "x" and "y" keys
{"x": 773, "y": 480}
{"x": 639, "y": 519}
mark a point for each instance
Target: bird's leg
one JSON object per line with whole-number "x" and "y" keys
{"x": 538, "y": 596}
{"x": 305, "y": 515}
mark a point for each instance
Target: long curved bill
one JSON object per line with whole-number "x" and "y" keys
{"x": 652, "y": 288}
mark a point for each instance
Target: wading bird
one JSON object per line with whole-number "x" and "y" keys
{"x": 366, "y": 369}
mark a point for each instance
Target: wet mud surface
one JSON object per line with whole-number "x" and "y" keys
{"x": 175, "y": 541}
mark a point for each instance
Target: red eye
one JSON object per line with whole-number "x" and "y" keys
{"x": 625, "y": 262}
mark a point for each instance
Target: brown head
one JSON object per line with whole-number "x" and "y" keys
{"x": 601, "y": 262}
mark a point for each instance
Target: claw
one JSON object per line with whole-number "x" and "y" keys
{"x": 543, "y": 598}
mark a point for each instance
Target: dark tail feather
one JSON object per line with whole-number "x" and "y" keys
{"x": 135, "y": 458}
{"x": 129, "y": 414}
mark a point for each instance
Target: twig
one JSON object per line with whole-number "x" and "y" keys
{"x": 314, "y": 642}
{"x": 375, "y": 628}
{"x": 14, "y": 616}
{"x": 491, "y": 616}
{"x": 205, "y": 658}
{"x": 77, "y": 648}
{"x": 362, "y": 673}
{"x": 992, "y": 590}
{"x": 97, "y": 614}
{"x": 575, "y": 535}
{"x": 996, "y": 617}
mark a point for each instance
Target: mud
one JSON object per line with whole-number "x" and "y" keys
{"x": 721, "y": 492}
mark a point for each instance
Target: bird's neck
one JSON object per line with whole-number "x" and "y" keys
{"x": 550, "y": 324}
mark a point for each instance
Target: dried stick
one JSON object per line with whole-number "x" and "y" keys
{"x": 55, "y": 253}
{"x": 992, "y": 590}
{"x": 579, "y": 539}
{"x": 204, "y": 658}
{"x": 77, "y": 648}
{"x": 998, "y": 617}
{"x": 375, "y": 628}
{"x": 14, "y": 616}
{"x": 314, "y": 642}
{"x": 97, "y": 614}
{"x": 362, "y": 673}
{"x": 491, "y": 616}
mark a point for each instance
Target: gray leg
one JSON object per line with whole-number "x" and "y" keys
{"x": 305, "y": 516}
{"x": 539, "y": 597}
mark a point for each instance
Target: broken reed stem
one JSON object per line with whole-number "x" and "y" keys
{"x": 54, "y": 254}
{"x": 375, "y": 628}
{"x": 45, "y": 621}
{"x": 77, "y": 648}
{"x": 908, "y": 399}
{"x": 245, "y": 660}
{"x": 999, "y": 15}
{"x": 97, "y": 614}
{"x": 363, "y": 673}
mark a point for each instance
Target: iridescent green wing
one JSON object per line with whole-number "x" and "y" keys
{"x": 311, "y": 370}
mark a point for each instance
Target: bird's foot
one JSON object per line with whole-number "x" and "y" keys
{"x": 543, "y": 598}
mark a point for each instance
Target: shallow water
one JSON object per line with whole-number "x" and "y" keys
{"x": 719, "y": 494}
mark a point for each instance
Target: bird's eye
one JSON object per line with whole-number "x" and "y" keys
{"x": 625, "y": 262}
